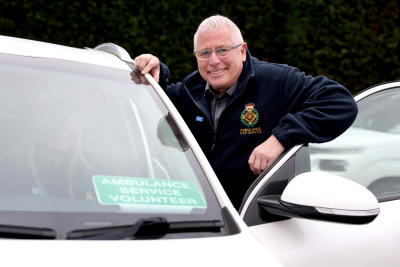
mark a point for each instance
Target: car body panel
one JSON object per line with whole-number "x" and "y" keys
{"x": 300, "y": 242}
{"x": 236, "y": 250}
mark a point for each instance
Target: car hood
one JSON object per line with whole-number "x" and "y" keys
{"x": 358, "y": 137}
{"x": 237, "y": 250}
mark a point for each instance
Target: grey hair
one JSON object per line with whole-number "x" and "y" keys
{"x": 217, "y": 22}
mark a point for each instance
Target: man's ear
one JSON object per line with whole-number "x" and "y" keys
{"x": 243, "y": 51}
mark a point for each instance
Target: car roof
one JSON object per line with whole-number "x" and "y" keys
{"x": 30, "y": 48}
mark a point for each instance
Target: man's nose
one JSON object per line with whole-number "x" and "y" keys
{"x": 214, "y": 59}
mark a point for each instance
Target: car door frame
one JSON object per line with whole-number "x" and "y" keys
{"x": 302, "y": 242}
{"x": 270, "y": 177}
{"x": 262, "y": 181}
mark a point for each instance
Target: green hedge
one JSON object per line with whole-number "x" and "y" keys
{"x": 355, "y": 42}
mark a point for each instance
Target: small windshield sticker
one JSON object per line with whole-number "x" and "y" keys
{"x": 90, "y": 197}
{"x": 147, "y": 192}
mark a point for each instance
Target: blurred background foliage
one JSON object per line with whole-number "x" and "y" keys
{"x": 355, "y": 42}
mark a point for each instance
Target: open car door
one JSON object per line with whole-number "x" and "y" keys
{"x": 306, "y": 214}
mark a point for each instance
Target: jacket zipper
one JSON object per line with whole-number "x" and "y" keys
{"x": 216, "y": 127}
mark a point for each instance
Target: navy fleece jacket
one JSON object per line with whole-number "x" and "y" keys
{"x": 295, "y": 108}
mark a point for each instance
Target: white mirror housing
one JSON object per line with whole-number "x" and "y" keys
{"x": 321, "y": 189}
{"x": 323, "y": 196}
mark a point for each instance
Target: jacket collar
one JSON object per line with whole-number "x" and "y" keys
{"x": 196, "y": 84}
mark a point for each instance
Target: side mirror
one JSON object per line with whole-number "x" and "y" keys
{"x": 322, "y": 196}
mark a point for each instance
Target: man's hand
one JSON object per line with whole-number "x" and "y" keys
{"x": 263, "y": 155}
{"x": 147, "y": 63}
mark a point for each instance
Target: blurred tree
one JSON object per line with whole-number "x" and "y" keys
{"x": 355, "y": 42}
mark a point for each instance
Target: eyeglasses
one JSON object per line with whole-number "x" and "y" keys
{"x": 221, "y": 52}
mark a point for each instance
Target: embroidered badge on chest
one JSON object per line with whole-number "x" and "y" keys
{"x": 249, "y": 116}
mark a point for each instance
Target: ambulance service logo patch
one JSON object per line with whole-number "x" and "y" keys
{"x": 249, "y": 116}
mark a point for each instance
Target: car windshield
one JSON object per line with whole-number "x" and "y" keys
{"x": 83, "y": 146}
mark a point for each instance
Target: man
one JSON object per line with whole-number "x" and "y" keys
{"x": 244, "y": 112}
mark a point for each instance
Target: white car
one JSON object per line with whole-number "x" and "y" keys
{"x": 97, "y": 170}
{"x": 368, "y": 153}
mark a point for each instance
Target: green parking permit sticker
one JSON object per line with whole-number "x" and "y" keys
{"x": 113, "y": 190}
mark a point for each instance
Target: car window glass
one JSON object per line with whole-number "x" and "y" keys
{"x": 367, "y": 153}
{"x": 80, "y": 138}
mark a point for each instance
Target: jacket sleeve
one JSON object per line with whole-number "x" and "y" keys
{"x": 174, "y": 90}
{"x": 317, "y": 109}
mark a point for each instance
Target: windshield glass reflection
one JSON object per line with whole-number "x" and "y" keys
{"x": 93, "y": 143}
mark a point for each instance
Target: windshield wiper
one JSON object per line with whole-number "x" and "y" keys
{"x": 146, "y": 228}
{"x": 22, "y": 232}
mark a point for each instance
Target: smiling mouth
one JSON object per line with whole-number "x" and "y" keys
{"x": 217, "y": 72}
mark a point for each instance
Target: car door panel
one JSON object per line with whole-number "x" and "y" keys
{"x": 300, "y": 242}
{"x": 304, "y": 242}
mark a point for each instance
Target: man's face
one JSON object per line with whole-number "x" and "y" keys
{"x": 220, "y": 73}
